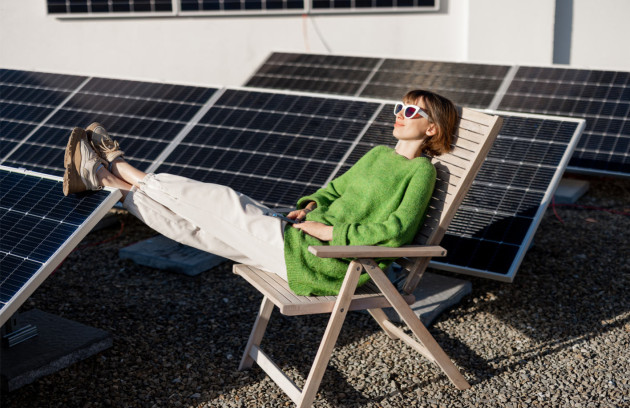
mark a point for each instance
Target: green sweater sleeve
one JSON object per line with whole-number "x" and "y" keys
{"x": 335, "y": 188}
{"x": 381, "y": 200}
{"x": 400, "y": 226}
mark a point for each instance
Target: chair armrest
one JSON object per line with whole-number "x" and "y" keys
{"x": 361, "y": 251}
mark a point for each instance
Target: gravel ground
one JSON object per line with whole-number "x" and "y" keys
{"x": 559, "y": 335}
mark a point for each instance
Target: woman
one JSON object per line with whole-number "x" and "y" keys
{"x": 381, "y": 200}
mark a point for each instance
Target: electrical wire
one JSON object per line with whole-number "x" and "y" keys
{"x": 91, "y": 244}
{"x": 584, "y": 207}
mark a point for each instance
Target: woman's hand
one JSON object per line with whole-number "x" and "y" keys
{"x": 318, "y": 230}
{"x": 300, "y": 215}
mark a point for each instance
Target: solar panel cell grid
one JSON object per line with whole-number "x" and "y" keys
{"x": 270, "y": 146}
{"x": 107, "y": 6}
{"x": 314, "y": 73}
{"x": 602, "y": 97}
{"x": 143, "y": 116}
{"x": 472, "y": 85}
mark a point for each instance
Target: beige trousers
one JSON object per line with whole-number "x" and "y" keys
{"x": 212, "y": 218}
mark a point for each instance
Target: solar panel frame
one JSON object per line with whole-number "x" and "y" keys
{"x": 536, "y": 218}
{"x": 60, "y": 250}
{"x": 575, "y": 92}
{"x": 483, "y": 211}
{"x": 466, "y": 83}
{"x": 146, "y": 117}
{"x": 606, "y": 150}
{"x": 230, "y": 116}
{"x": 253, "y": 169}
{"x": 108, "y": 8}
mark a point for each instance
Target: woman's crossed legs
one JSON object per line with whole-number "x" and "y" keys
{"x": 207, "y": 216}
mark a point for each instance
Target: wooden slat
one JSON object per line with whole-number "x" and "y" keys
{"x": 449, "y": 159}
{"x": 450, "y": 169}
{"x": 473, "y": 126}
{"x": 360, "y": 251}
{"x": 462, "y": 141}
{"x": 444, "y": 176}
{"x": 463, "y": 153}
{"x": 468, "y": 139}
{"x": 366, "y": 297}
{"x": 479, "y": 117}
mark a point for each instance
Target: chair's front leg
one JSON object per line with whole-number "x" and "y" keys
{"x": 414, "y": 323}
{"x": 258, "y": 331}
{"x": 327, "y": 345}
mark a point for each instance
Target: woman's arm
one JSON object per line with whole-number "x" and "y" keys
{"x": 301, "y": 213}
{"x": 316, "y": 229}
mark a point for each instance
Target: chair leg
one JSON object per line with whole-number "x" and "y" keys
{"x": 337, "y": 317}
{"x": 258, "y": 331}
{"x": 380, "y": 317}
{"x": 414, "y": 323}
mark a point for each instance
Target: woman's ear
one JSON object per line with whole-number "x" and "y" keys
{"x": 431, "y": 130}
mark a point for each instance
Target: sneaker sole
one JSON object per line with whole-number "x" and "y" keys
{"x": 71, "y": 178}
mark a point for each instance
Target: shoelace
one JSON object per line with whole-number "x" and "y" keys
{"x": 107, "y": 149}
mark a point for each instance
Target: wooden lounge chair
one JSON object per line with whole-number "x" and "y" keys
{"x": 455, "y": 173}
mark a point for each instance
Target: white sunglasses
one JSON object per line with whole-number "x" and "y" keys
{"x": 409, "y": 111}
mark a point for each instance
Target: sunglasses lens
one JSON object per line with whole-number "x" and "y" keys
{"x": 397, "y": 108}
{"x": 410, "y": 112}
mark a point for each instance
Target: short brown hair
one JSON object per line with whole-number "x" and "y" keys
{"x": 443, "y": 114}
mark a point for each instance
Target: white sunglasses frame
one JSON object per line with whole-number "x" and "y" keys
{"x": 404, "y": 107}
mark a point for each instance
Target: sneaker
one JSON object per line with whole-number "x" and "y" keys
{"x": 102, "y": 143}
{"x": 81, "y": 163}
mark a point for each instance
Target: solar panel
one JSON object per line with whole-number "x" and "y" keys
{"x": 145, "y": 116}
{"x": 240, "y": 5}
{"x": 328, "y": 74}
{"x": 277, "y": 146}
{"x": 602, "y": 97}
{"x": 26, "y": 100}
{"x": 494, "y": 226}
{"x": 472, "y": 85}
{"x": 466, "y": 84}
{"x": 39, "y": 227}
{"x": 107, "y": 6}
{"x": 373, "y": 5}
{"x": 274, "y": 147}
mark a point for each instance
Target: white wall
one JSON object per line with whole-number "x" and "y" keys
{"x": 601, "y": 34}
{"x": 211, "y": 50}
{"x": 510, "y": 31}
{"x": 226, "y": 50}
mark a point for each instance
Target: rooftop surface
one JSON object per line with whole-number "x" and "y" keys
{"x": 559, "y": 335}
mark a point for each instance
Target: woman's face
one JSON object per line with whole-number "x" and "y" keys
{"x": 415, "y": 128}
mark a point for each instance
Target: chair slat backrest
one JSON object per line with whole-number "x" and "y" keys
{"x": 456, "y": 171}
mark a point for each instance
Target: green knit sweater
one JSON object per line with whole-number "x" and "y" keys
{"x": 381, "y": 200}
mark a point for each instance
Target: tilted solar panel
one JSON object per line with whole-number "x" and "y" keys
{"x": 496, "y": 222}
{"x": 26, "y": 100}
{"x": 494, "y": 226}
{"x": 466, "y": 84}
{"x": 107, "y": 6}
{"x": 145, "y": 117}
{"x": 277, "y": 146}
{"x": 602, "y": 97}
{"x": 39, "y": 227}
{"x": 271, "y": 146}
{"x": 328, "y": 74}
{"x": 471, "y": 85}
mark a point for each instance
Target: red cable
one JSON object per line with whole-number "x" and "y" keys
{"x": 553, "y": 207}
{"x": 122, "y": 227}
{"x": 592, "y": 207}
